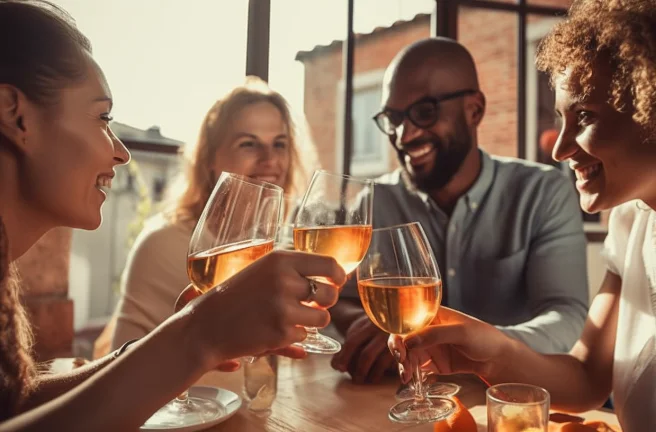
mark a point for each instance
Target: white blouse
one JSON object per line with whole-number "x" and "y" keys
{"x": 630, "y": 251}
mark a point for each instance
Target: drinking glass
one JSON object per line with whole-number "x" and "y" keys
{"x": 334, "y": 219}
{"x": 520, "y": 407}
{"x": 400, "y": 288}
{"x": 238, "y": 226}
{"x": 285, "y": 236}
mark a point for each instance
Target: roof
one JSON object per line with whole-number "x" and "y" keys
{"x": 362, "y": 37}
{"x": 150, "y": 139}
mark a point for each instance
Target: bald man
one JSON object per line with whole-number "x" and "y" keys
{"x": 507, "y": 234}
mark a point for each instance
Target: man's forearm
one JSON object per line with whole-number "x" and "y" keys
{"x": 344, "y": 313}
{"x": 552, "y": 332}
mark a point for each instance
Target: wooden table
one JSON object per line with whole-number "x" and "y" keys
{"x": 314, "y": 397}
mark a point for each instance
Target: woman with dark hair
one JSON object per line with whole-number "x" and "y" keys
{"x": 602, "y": 60}
{"x": 57, "y": 159}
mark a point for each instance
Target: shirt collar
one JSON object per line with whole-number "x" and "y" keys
{"x": 474, "y": 196}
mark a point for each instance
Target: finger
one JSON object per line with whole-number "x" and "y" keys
{"x": 352, "y": 345}
{"x": 307, "y": 264}
{"x": 397, "y": 347}
{"x": 291, "y": 351}
{"x": 434, "y": 335}
{"x": 440, "y": 357}
{"x": 384, "y": 363}
{"x": 368, "y": 355}
{"x": 228, "y": 366}
{"x": 306, "y": 316}
{"x": 326, "y": 295}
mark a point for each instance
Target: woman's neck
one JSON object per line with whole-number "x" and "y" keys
{"x": 24, "y": 225}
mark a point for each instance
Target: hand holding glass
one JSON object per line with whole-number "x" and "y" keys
{"x": 334, "y": 219}
{"x": 237, "y": 227}
{"x": 400, "y": 288}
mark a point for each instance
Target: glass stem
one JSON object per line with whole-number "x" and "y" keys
{"x": 420, "y": 397}
{"x": 183, "y": 397}
{"x": 311, "y": 332}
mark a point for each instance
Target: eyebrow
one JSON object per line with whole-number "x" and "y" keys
{"x": 250, "y": 135}
{"x": 105, "y": 99}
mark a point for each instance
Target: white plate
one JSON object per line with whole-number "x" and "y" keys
{"x": 227, "y": 400}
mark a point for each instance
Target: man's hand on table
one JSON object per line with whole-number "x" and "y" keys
{"x": 364, "y": 353}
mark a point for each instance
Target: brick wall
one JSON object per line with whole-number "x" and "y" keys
{"x": 490, "y": 36}
{"x": 44, "y": 273}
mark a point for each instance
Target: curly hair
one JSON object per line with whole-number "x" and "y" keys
{"x": 620, "y": 32}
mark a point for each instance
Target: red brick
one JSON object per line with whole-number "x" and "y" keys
{"x": 44, "y": 268}
{"x": 52, "y": 321}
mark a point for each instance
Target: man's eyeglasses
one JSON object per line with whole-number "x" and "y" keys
{"x": 423, "y": 114}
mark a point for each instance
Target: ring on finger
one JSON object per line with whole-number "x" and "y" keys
{"x": 313, "y": 291}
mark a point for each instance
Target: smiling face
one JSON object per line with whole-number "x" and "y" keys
{"x": 433, "y": 156}
{"x": 71, "y": 153}
{"x": 607, "y": 149}
{"x": 257, "y": 145}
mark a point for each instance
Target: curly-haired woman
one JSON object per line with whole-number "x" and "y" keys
{"x": 602, "y": 60}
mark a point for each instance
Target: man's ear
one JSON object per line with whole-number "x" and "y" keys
{"x": 475, "y": 109}
{"x": 13, "y": 104}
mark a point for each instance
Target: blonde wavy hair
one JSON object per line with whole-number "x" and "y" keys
{"x": 189, "y": 194}
{"x": 620, "y": 32}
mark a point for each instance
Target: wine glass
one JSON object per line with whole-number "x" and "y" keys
{"x": 334, "y": 219}
{"x": 238, "y": 226}
{"x": 285, "y": 236}
{"x": 400, "y": 288}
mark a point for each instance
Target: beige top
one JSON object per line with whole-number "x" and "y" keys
{"x": 630, "y": 249}
{"x": 154, "y": 276}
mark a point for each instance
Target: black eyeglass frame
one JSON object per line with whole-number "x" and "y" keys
{"x": 384, "y": 114}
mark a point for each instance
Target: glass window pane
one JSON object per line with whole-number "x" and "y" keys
{"x": 305, "y": 64}
{"x": 162, "y": 55}
{"x": 166, "y": 62}
{"x": 491, "y": 37}
{"x": 383, "y": 27}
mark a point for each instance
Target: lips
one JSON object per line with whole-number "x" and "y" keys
{"x": 420, "y": 154}
{"x": 266, "y": 178}
{"x": 586, "y": 174}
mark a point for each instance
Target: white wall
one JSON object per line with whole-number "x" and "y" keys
{"x": 98, "y": 257}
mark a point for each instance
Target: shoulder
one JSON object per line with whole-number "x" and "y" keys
{"x": 389, "y": 179}
{"x": 514, "y": 169}
{"x": 159, "y": 234}
{"x": 536, "y": 181}
{"x": 623, "y": 218}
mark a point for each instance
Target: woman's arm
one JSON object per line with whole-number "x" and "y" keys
{"x": 578, "y": 381}
{"x": 581, "y": 380}
{"x": 127, "y": 391}
{"x": 256, "y": 311}
{"x": 50, "y": 386}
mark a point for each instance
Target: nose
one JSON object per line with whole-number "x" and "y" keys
{"x": 405, "y": 133}
{"x": 267, "y": 155}
{"x": 565, "y": 146}
{"x": 121, "y": 153}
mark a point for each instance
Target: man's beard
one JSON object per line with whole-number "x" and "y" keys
{"x": 451, "y": 154}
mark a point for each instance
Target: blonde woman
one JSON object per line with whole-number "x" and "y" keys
{"x": 250, "y": 131}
